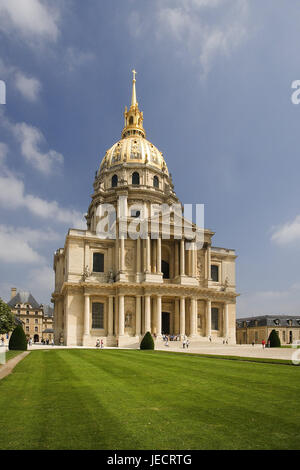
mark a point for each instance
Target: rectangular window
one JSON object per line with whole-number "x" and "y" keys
{"x": 36, "y": 320}
{"x": 256, "y": 336}
{"x": 36, "y": 329}
{"x": 27, "y": 320}
{"x": 283, "y": 336}
{"x": 214, "y": 272}
{"x": 98, "y": 262}
{"x": 198, "y": 321}
{"x": 214, "y": 318}
{"x": 98, "y": 315}
{"x": 27, "y": 328}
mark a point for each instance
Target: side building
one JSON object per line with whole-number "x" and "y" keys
{"x": 36, "y": 318}
{"x": 257, "y": 329}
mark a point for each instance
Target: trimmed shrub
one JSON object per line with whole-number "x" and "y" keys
{"x": 18, "y": 341}
{"x": 274, "y": 339}
{"x": 147, "y": 342}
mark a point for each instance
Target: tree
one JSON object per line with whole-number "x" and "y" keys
{"x": 147, "y": 342}
{"x": 7, "y": 319}
{"x": 18, "y": 341}
{"x": 274, "y": 339}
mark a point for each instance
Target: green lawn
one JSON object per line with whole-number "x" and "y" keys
{"x": 114, "y": 399}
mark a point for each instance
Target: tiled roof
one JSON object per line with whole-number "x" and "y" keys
{"x": 23, "y": 297}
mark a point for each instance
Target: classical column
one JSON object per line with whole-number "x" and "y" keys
{"x": 177, "y": 323}
{"x": 176, "y": 264}
{"x": 110, "y": 316}
{"x": 122, "y": 255}
{"x": 208, "y": 318}
{"x": 225, "y": 330}
{"x": 138, "y": 314}
{"x": 208, "y": 262}
{"x": 158, "y": 315}
{"x": 121, "y": 315}
{"x": 194, "y": 259}
{"x": 182, "y": 316}
{"x": 193, "y": 316}
{"x": 158, "y": 255}
{"x": 154, "y": 256}
{"x": 138, "y": 255}
{"x": 182, "y": 255}
{"x": 147, "y": 313}
{"x": 86, "y": 323}
{"x": 148, "y": 255}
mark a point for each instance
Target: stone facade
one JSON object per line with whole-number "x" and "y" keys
{"x": 256, "y": 329}
{"x": 116, "y": 289}
{"x": 37, "y": 319}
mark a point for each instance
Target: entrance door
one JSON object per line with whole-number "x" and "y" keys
{"x": 291, "y": 337}
{"x": 165, "y": 323}
{"x": 36, "y": 338}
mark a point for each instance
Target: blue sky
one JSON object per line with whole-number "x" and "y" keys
{"x": 214, "y": 81}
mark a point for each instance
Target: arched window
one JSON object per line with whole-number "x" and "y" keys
{"x": 155, "y": 182}
{"x": 114, "y": 181}
{"x": 131, "y": 120}
{"x": 165, "y": 269}
{"x": 135, "y": 178}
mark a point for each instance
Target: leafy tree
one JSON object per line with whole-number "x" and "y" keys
{"x": 18, "y": 341}
{"x": 274, "y": 339}
{"x": 147, "y": 342}
{"x": 7, "y": 319}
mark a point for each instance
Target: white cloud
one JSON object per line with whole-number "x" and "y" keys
{"x": 29, "y": 18}
{"x": 16, "y": 245}
{"x": 28, "y": 87}
{"x": 202, "y": 30}
{"x": 30, "y": 139}
{"x": 14, "y": 196}
{"x": 41, "y": 279}
{"x": 287, "y": 233}
{"x": 75, "y": 58}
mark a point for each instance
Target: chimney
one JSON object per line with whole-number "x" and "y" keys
{"x": 13, "y": 292}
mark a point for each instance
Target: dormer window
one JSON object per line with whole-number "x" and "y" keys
{"x": 114, "y": 181}
{"x": 214, "y": 272}
{"x": 277, "y": 322}
{"x": 135, "y": 213}
{"x": 135, "y": 178}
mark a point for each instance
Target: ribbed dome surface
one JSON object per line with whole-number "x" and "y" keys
{"x": 133, "y": 149}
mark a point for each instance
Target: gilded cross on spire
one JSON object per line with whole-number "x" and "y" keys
{"x": 134, "y": 74}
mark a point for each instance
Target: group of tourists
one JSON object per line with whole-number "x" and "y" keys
{"x": 167, "y": 338}
{"x": 99, "y": 344}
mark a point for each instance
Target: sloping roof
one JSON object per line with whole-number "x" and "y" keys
{"x": 48, "y": 330}
{"x": 48, "y": 311}
{"x": 23, "y": 297}
{"x": 270, "y": 320}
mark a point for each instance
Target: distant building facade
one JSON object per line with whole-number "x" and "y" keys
{"x": 257, "y": 329}
{"x": 37, "y": 319}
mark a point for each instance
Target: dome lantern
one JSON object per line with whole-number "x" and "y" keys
{"x": 133, "y": 116}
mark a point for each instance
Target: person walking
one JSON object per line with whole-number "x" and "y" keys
{"x": 101, "y": 343}
{"x": 187, "y": 344}
{"x": 263, "y": 343}
{"x": 183, "y": 343}
{"x": 98, "y": 343}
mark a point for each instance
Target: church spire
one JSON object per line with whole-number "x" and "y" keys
{"x": 133, "y": 116}
{"x": 133, "y": 99}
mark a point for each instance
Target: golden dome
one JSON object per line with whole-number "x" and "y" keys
{"x": 134, "y": 149}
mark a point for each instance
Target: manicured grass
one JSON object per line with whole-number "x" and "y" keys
{"x": 118, "y": 399}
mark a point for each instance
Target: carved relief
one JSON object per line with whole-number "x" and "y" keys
{"x": 129, "y": 258}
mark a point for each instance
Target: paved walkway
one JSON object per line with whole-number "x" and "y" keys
{"x": 244, "y": 350}
{"x": 7, "y": 368}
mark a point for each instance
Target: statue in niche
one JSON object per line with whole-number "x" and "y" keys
{"x": 86, "y": 273}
